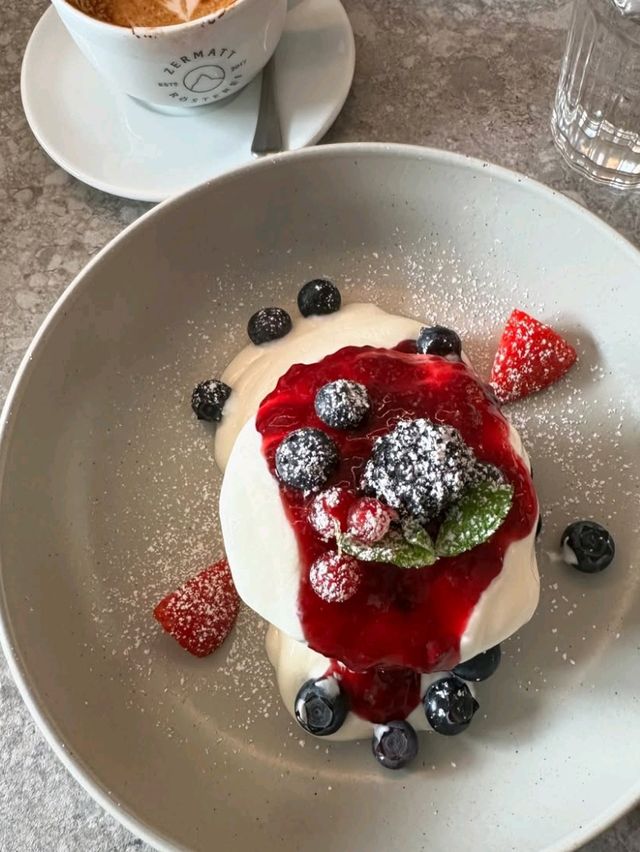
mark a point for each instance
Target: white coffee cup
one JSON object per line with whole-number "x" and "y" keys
{"x": 185, "y": 65}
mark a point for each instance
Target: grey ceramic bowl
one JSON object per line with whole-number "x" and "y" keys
{"x": 108, "y": 500}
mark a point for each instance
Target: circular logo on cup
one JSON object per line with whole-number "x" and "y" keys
{"x": 204, "y": 79}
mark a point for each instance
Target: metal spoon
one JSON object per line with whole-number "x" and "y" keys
{"x": 268, "y": 135}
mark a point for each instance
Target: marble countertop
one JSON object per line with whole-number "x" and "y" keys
{"x": 483, "y": 87}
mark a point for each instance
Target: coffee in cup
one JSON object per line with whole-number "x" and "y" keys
{"x": 148, "y": 13}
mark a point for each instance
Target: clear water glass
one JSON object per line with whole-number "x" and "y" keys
{"x": 596, "y": 115}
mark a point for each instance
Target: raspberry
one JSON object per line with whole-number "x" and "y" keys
{"x": 335, "y": 578}
{"x": 328, "y": 508}
{"x": 369, "y": 519}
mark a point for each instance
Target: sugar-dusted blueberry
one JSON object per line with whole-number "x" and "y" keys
{"x": 449, "y": 705}
{"x": 342, "y": 404}
{"x": 321, "y": 706}
{"x": 480, "y": 667}
{"x": 208, "y": 399}
{"x": 268, "y": 324}
{"x": 305, "y": 459}
{"x": 319, "y": 296}
{"x": 394, "y": 744}
{"x": 588, "y": 546}
{"x": 438, "y": 340}
{"x": 539, "y": 527}
{"x": 419, "y": 468}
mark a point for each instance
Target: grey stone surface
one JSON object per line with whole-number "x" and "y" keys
{"x": 475, "y": 76}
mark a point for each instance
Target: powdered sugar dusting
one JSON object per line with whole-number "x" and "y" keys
{"x": 154, "y": 530}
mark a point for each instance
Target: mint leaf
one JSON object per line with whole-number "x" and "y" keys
{"x": 416, "y": 534}
{"x": 474, "y": 518}
{"x": 393, "y": 548}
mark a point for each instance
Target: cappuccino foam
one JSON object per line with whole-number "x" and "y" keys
{"x": 149, "y": 13}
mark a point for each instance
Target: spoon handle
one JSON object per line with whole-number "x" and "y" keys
{"x": 268, "y": 135}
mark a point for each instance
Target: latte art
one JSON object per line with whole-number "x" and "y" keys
{"x": 183, "y": 9}
{"x": 149, "y": 13}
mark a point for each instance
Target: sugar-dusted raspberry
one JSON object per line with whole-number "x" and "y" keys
{"x": 329, "y": 508}
{"x": 335, "y": 578}
{"x": 369, "y": 519}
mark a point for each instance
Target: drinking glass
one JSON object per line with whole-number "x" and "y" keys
{"x": 596, "y": 115}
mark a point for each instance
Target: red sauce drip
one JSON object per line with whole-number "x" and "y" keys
{"x": 400, "y": 618}
{"x": 379, "y": 694}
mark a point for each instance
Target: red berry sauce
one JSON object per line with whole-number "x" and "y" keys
{"x": 380, "y": 694}
{"x": 400, "y": 619}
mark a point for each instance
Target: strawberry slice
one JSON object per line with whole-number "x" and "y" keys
{"x": 200, "y": 614}
{"x": 531, "y": 356}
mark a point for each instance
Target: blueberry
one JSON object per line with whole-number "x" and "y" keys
{"x": 394, "y": 744}
{"x": 208, "y": 399}
{"x": 449, "y": 705}
{"x": 438, "y": 340}
{"x": 306, "y": 458}
{"x": 321, "y": 707}
{"x": 319, "y": 296}
{"x": 268, "y": 324}
{"x": 587, "y": 546}
{"x": 539, "y": 527}
{"x": 480, "y": 667}
{"x": 342, "y": 404}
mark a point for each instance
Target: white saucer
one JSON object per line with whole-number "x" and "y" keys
{"x": 118, "y": 145}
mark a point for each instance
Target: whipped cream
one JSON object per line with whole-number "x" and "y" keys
{"x": 260, "y": 543}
